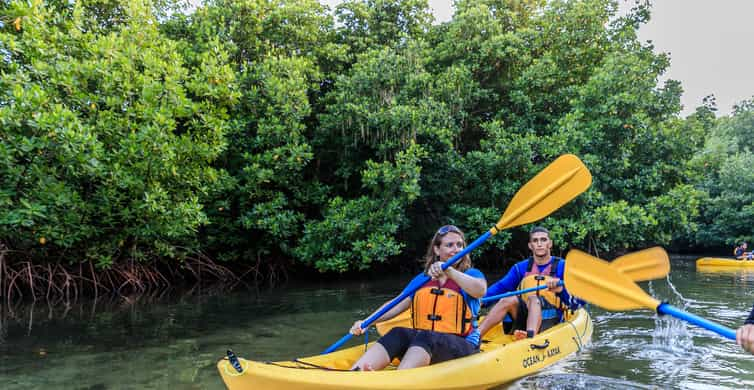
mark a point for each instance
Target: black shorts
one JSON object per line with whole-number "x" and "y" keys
{"x": 523, "y": 313}
{"x": 439, "y": 346}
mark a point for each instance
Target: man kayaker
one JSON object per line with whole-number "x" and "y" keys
{"x": 535, "y": 311}
{"x": 741, "y": 253}
{"x": 745, "y": 334}
{"x": 444, "y": 311}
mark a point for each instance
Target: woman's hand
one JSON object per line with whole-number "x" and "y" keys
{"x": 435, "y": 270}
{"x": 356, "y": 328}
{"x": 745, "y": 337}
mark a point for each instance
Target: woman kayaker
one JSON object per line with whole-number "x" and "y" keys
{"x": 745, "y": 334}
{"x": 444, "y": 312}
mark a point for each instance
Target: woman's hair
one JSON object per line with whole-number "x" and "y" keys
{"x": 429, "y": 258}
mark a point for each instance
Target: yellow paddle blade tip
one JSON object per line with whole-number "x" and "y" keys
{"x": 647, "y": 264}
{"x": 557, "y": 184}
{"x": 595, "y": 281}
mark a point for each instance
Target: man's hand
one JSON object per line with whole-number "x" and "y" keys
{"x": 552, "y": 285}
{"x": 745, "y": 337}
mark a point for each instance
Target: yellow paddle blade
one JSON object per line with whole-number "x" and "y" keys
{"x": 593, "y": 280}
{"x": 554, "y": 186}
{"x": 647, "y": 264}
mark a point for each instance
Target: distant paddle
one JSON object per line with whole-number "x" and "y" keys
{"x": 647, "y": 264}
{"x": 554, "y": 186}
{"x": 595, "y": 281}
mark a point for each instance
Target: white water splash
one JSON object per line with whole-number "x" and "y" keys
{"x": 672, "y": 352}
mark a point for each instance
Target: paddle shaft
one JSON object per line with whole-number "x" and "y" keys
{"x": 724, "y": 331}
{"x": 662, "y": 309}
{"x": 517, "y": 292}
{"x": 410, "y": 290}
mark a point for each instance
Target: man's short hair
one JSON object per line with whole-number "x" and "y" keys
{"x": 538, "y": 229}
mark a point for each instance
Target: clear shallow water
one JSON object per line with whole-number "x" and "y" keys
{"x": 174, "y": 342}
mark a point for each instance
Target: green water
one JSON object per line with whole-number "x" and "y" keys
{"x": 173, "y": 342}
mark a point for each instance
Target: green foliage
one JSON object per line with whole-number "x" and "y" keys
{"x": 619, "y": 225}
{"x": 380, "y": 108}
{"x": 261, "y": 131}
{"x": 371, "y": 24}
{"x": 275, "y": 49}
{"x": 725, "y": 176}
{"x": 108, "y": 138}
{"x": 356, "y": 233}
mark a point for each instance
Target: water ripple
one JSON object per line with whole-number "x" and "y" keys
{"x": 575, "y": 381}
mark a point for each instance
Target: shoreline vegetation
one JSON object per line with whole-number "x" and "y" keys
{"x": 67, "y": 283}
{"x": 144, "y": 144}
{"x": 58, "y": 283}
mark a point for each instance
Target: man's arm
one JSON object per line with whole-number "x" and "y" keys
{"x": 508, "y": 283}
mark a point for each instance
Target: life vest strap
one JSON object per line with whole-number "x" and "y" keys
{"x": 554, "y": 299}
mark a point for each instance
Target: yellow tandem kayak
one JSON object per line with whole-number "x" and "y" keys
{"x": 715, "y": 262}
{"x": 501, "y": 360}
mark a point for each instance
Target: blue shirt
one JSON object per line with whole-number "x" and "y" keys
{"x": 474, "y": 303}
{"x": 515, "y": 275}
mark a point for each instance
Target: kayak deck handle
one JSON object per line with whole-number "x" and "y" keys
{"x": 540, "y": 346}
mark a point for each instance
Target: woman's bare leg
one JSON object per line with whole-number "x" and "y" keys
{"x": 414, "y": 357}
{"x": 375, "y": 358}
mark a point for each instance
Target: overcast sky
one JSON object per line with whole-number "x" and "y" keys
{"x": 709, "y": 41}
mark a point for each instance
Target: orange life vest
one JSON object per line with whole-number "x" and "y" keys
{"x": 441, "y": 309}
{"x": 534, "y": 278}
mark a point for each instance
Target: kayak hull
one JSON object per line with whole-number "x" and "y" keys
{"x": 501, "y": 360}
{"x": 716, "y": 262}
